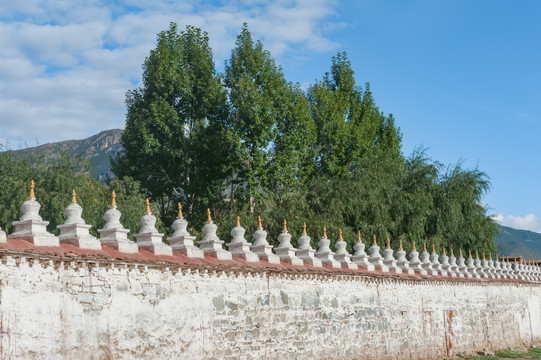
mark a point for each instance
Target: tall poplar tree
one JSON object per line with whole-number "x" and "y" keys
{"x": 295, "y": 147}
{"x": 174, "y": 120}
{"x": 349, "y": 124}
{"x": 257, "y": 90}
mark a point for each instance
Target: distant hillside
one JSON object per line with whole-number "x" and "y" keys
{"x": 98, "y": 149}
{"x": 516, "y": 242}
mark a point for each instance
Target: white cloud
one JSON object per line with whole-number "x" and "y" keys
{"x": 66, "y": 65}
{"x": 529, "y": 222}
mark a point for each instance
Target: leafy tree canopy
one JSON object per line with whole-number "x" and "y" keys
{"x": 248, "y": 142}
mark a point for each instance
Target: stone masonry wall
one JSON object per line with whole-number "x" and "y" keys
{"x": 52, "y": 309}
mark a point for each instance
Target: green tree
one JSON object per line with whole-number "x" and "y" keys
{"x": 349, "y": 125}
{"x": 14, "y": 181}
{"x": 294, "y": 152}
{"x": 174, "y": 124}
{"x": 458, "y": 217}
{"x": 257, "y": 90}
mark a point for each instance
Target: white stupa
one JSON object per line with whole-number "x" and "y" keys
{"x": 31, "y": 227}
{"x": 360, "y": 257}
{"x": 261, "y": 246}
{"x": 414, "y": 263}
{"x": 341, "y": 255}
{"x": 211, "y": 243}
{"x": 181, "y": 241}
{"x": 113, "y": 233}
{"x": 74, "y": 230}
{"x": 375, "y": 257}
{"x": 286, "y": 251}
{"x": 148, "y": 237}
{"x": 305, "y": 252}
{"x": 324, "y": 252}
{"x": 239, "y": 246}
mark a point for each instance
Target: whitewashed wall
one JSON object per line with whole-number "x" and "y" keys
{"x": 77, "y": 310}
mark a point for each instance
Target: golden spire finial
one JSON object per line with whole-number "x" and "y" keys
{"x": 147, "y": 203}
{"x": 340, "y": 235}
{"x": 469, "y": 252}
{"x": 238, "y": 221}
{"x": 374, "y": 243}
{"x": 400, "y": 245}
{"x": 113, "y": 199}
{"x": 484, "y": 258}
{"x": 259, "y": 225}
{"x": 433, "y": 248}
{"x": 209, "y": 218}
{"x": 31, "y": 195}
{"x": 304, "y": 228}
{"x": 476, "y": 254}
{"x": 413, "y": 246}
{"x": 73, "y": 197}
{"x": 497, "y": 257}
{"x": 444, "y": 253}
{"x": 388, "y": 243}
{"x": 324, "y": 232}
{"x": 490, "y": 256}
{"x": 179, "y": 215}
{"x": 424, "y": 247}
{"x": 284, "y": 229}
{"x": 452, "y": 253}
{"x": 359, "y": 236}
{"x": 460, "y": 252}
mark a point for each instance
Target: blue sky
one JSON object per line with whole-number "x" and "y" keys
{"x": 462, "y": 78}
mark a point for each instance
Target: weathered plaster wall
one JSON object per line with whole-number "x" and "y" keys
{"x": 81, "y": 310}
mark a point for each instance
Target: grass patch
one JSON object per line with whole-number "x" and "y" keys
{"x": 534, "y": 354}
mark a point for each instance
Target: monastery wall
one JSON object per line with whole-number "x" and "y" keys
{"x": 74, "y": 296}
{"x": 55, "y": 308}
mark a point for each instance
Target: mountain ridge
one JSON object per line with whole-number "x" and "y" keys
{"x": 516, "y": 242}
{"x": 97, "y": 149}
